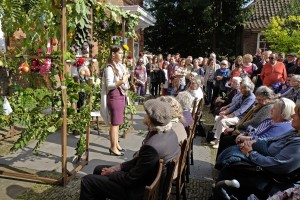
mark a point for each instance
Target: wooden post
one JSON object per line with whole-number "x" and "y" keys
{"x": 64, "y": 94}
{"x": 123, "y": 29}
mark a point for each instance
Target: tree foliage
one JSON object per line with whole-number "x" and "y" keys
{"x": 195, "y": 27}
{"x": 284, "y": 30}
{"x": 284, "y": 34}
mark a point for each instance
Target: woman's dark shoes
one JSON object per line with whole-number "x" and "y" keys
{"x": 122, "y": 150}
{"x": 111, "y": 152}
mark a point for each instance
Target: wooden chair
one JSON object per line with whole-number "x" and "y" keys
{"x": 152, "y": 191}
{"x": 179, "y": 182}
{"x": 171, "y": 166}
{"x": 196, "y": 114}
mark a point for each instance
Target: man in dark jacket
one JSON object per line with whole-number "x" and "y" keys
{"x": 128, "y": 180}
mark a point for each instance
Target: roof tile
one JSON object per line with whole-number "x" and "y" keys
{"x": 263, "y": 10}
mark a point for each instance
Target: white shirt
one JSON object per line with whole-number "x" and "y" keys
{"x": 111, "y": 79}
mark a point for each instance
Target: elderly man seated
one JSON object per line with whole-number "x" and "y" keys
{"x": 240, "y": 105}
{"x": 128, "y": 179}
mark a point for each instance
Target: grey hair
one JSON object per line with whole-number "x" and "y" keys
{"x": 265, "y": 92}
{"x": 197, "y": 79}
{"x": 286, "y": 107}
{"x": 175, "y": 106}
{"x": 249, "y": 84}
{"x": 296, "y": 77}
{"x": 185, "y": 99}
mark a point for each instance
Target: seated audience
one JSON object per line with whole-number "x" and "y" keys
{"x": 261, "y": 111}
{"x": 186, "y": 100}
{"x": 240, "y": 105}
{"x": 286, "y": 86}
{"x": 271, "y": 158}
{"x": 278, "y": 124}
{"x": 176, "y": 111}
{"x": 128, "y": 180}
{"x": 222, "y": 102}
{"x": 294, "y": 92}
{"x": 195, "y": 88}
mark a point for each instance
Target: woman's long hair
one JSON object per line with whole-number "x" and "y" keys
{"x": 110, "y": 61}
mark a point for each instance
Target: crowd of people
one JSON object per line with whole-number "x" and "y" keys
{"x": 255, "y": 101}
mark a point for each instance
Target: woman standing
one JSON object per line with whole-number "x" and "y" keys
{"x": 140, "y": 78}
{"x": 248, "y": 66}
{"x": 180, "y": 73}
{"x": 115, "y": 84}
{"x": 221, "y": 76}
{"x": 154, "y": 76}
{"x": 210, "y": 71}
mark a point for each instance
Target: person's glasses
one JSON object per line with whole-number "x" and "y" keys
{"x": 223, "y": 64}
{"x": 271, "y": 58}
{"x": 259, "y": 100}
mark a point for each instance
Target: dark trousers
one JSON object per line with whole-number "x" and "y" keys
{"x": 216, "y": 92}
{"x": 154, "y": 88}
{"x": 225, "y": 142}
{"x": 97, "y": 187}
{"x": 251, "y": 181}
{"x": 209, "y": 91}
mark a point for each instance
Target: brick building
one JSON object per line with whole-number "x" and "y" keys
{"x": 263, "y": 10}
{"x": 145, "y": 20}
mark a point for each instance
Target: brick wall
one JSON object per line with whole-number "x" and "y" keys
{"x": 249, "y": 42}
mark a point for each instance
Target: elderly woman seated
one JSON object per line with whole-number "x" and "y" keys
{"x": 221, "y": 103}
{"x": 260, "y": 112}
{"x": 176, "y": 111}
{"x": 195, "y": 87}
{"x": 186, "y": 100}
{"x": 278, "y": 124}
{"x": 294, "y": 92}
{"x": 239, "y": 106}
{"x": 272, "y": 158}
{"x": 128, "y": 180}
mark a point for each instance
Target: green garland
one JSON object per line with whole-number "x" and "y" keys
{"x": 40, "y": 20}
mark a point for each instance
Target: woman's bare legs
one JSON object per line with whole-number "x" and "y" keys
{"x": 114, "y": 138}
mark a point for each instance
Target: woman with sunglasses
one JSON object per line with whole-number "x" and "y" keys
{"x": 273, "y": 71}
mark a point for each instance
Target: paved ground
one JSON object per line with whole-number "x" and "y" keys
{"x": 48, "y": 159}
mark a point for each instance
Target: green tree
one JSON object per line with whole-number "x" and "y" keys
{"x": 284, "y": 30}
{"x": 195, "y": 27}
{"x": 284, "y": 34}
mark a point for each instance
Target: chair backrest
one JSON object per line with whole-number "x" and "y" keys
{"x": 194, "y": 107}
{"x": 171, "y": 166}
{"x": 199, "y": 110}
{"x": 182, "y": 162}
{"x": 152, "y": 191}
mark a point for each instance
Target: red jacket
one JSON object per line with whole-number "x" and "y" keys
{"x": 270, "y": 75}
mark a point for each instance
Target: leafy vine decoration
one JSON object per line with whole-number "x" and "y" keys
{"x": 40, "y": 21}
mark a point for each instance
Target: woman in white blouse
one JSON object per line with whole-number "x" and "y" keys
{"x": 115, "y": 86}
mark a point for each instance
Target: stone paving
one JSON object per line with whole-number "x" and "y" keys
{"x": 202, "y": 172}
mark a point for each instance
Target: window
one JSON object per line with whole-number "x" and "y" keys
{"x": 262, "y": 43}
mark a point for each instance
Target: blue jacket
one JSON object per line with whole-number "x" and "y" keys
{"x": 242, "y": 105}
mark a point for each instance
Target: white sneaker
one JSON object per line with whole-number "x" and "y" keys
{"x": 216, "y": 146}
{"x": 215, "y": 141}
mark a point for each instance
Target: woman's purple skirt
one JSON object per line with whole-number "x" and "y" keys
{"x": 116, "y": 106}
